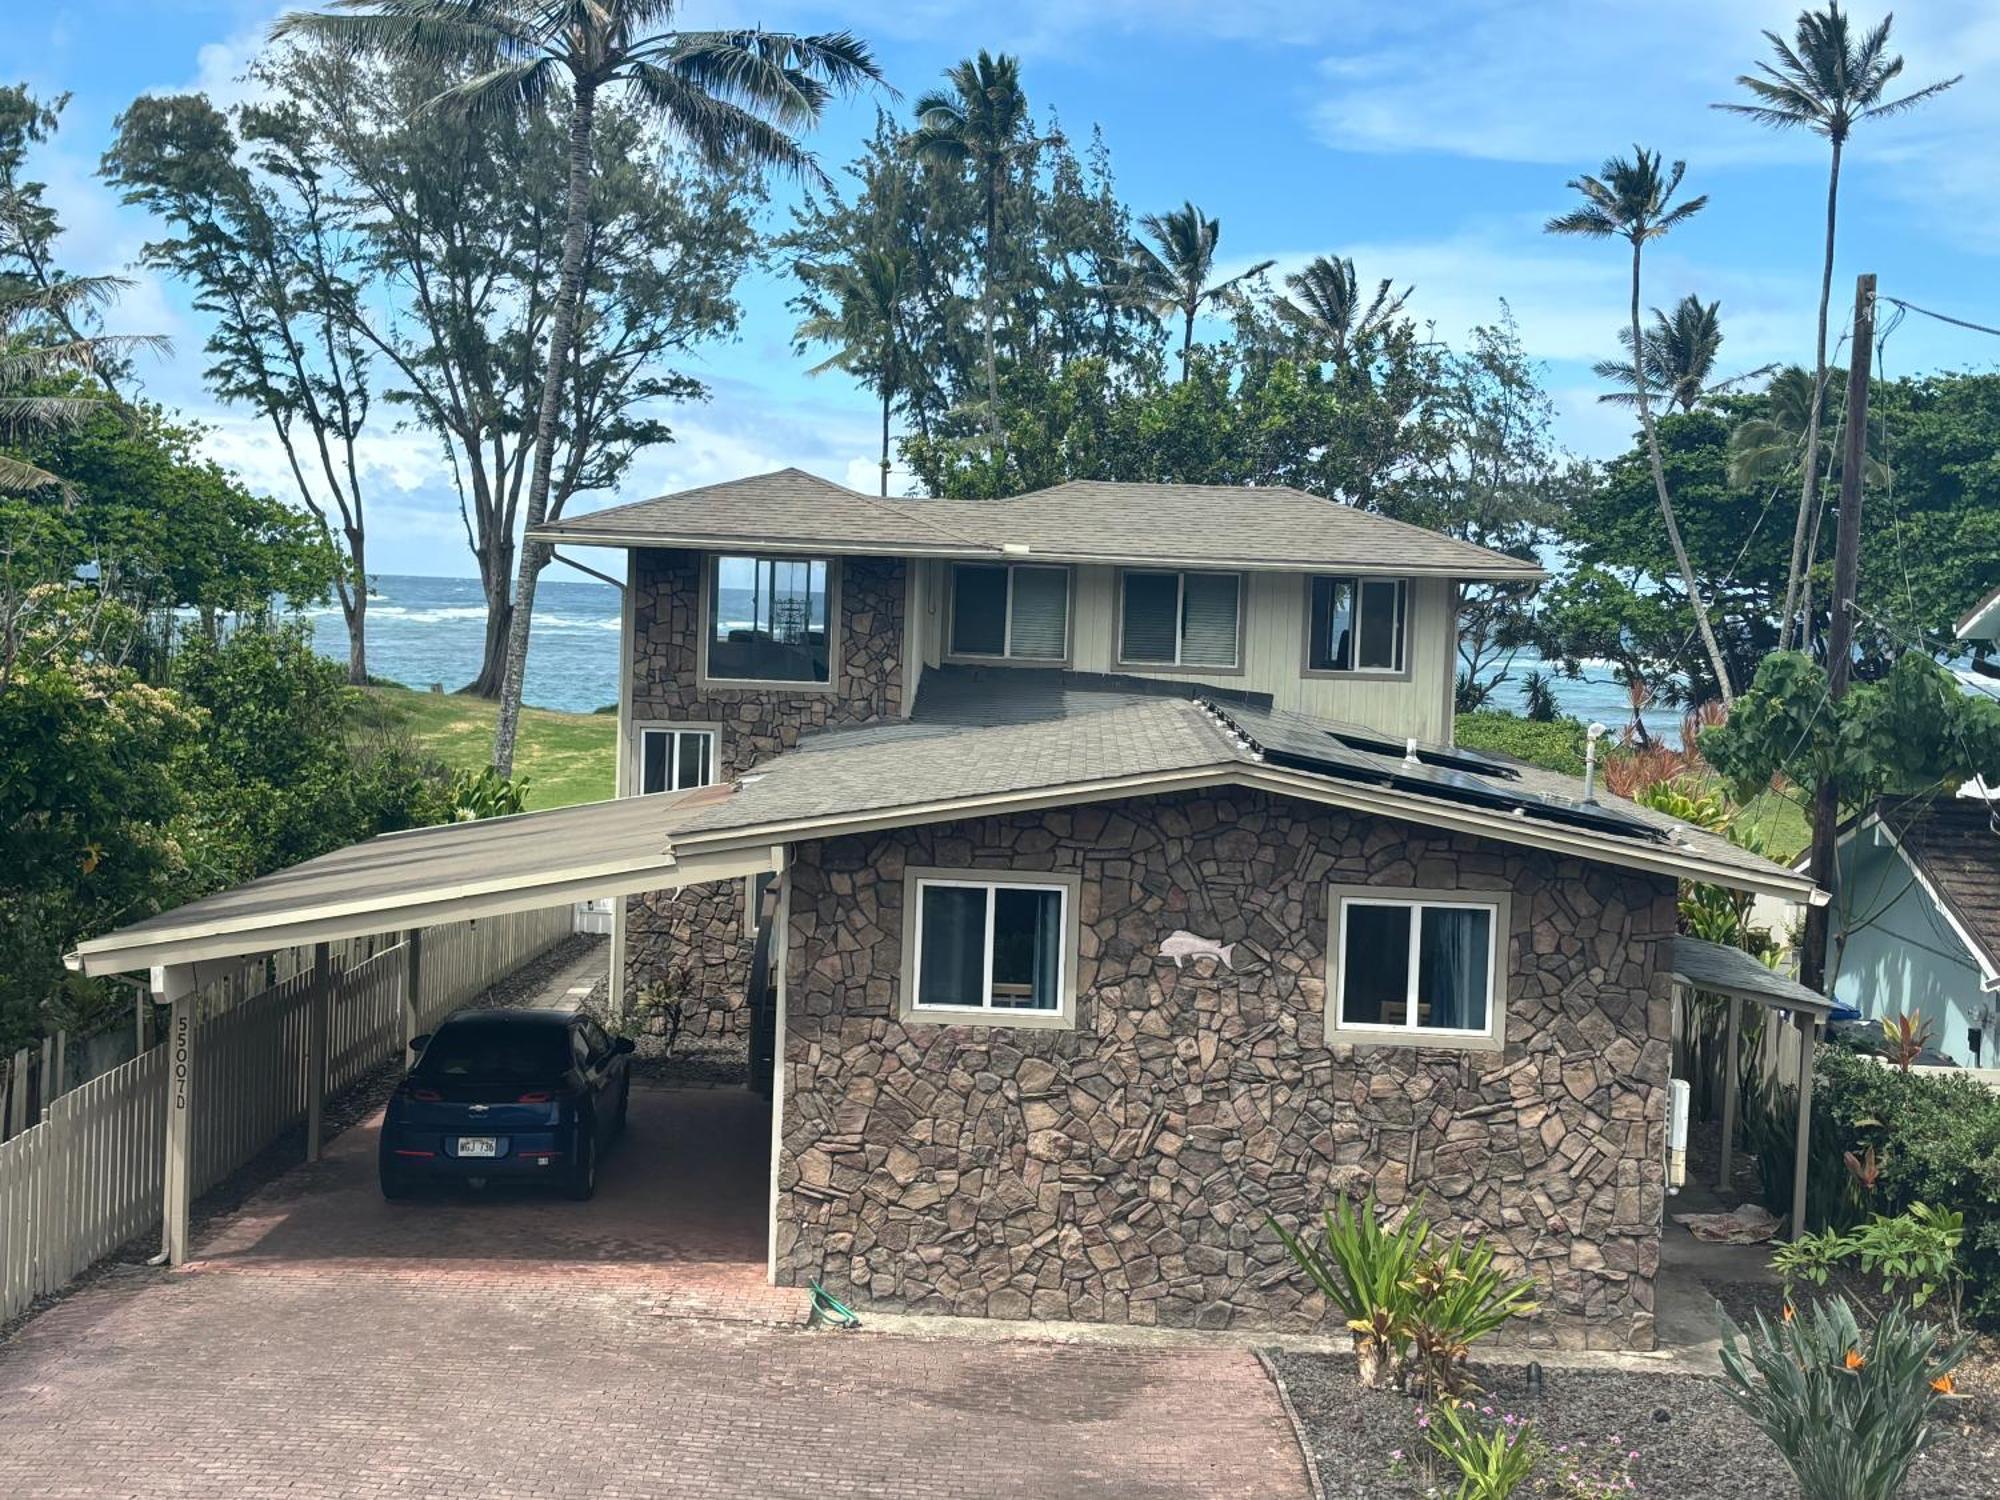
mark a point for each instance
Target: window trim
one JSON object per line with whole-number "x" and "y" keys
{"x": 1352, "y": 674}
{"x": 1499, "y": 975}
{"x": 951, "y": 654}
{"x": 643, "y": 727}
{"x": 705, "y": 602}
{"x": 1062, "y": 1018}
{"x": 1176, "y": 666}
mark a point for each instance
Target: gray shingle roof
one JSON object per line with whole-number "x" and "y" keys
{"x": 1952, "y": 840}
{"x": 1716, "y": 966}
{"x": 1083, "y": 521}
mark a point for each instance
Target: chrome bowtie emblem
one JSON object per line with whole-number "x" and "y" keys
{"x": 479, "y": 1109}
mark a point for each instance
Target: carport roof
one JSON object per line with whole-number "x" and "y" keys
{"x": 412, "y": 878}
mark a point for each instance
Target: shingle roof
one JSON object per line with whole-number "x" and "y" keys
{"x": 1082, "y": 521}
{"x": 1716, "y": 966}
{"x": 1953, "y": 842}
{"x": 993, "y": 734}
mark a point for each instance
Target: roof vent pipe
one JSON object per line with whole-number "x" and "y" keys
{"x": 1591, "y": 737}
{"x": 1410, "y": 750}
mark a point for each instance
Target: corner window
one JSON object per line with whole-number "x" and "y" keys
{"x": 1014, "y": 611}
{"x": 1179, "y": 619}
{"x": 768, "y": 620}
{"x": 1417, "y": 971}
{"x": 1357, "y": 625}
{"x": 995, "y": 948}
{"x": 674, "y": 760}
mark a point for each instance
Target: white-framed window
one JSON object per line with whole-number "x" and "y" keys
{"x": 1357, "y": 625}
{"x": 1180, "y": 619}
{"x": 1010, "y": 611}
{"x": 768, "y": 620}
{"x": 676, "y": 759}
{"x": 998, "y": 947}
{"x": 1417, "y": 968}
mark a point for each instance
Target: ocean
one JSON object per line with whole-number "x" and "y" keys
{"x": 430, "y": 630}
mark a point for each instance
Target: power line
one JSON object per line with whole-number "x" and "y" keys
{"x": 1942, "y": 317}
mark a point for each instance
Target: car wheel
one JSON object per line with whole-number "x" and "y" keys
{"x": 395, "y": 1186}
{"x": 582, "y": 1182}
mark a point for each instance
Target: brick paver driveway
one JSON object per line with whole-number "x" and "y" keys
{"x": 328, "y": 1343}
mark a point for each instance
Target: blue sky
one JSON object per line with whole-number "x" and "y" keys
{"x": 1427, "y": 140}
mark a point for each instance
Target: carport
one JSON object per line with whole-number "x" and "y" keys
{"x": 400, "y": 881}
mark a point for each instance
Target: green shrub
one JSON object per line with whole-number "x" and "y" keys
{"x": 1459, "y": 1299}
{"x": 1364, "y": 1269}
{"x": 1849, "y": 1410}
{"x": 1554, "y": 746}
{"x": 1493, "y": 1461}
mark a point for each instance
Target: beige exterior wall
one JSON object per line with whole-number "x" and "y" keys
{"x": 1417, "y": 702}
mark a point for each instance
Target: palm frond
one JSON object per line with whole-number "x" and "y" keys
{"x": 721, "y": 132}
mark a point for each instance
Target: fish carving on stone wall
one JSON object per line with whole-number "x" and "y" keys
{"x": 1182, "y": 945}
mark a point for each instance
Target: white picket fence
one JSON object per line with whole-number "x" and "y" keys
{"x": 89, "y": 1175}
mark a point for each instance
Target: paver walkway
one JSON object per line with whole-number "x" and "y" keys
{"x": 329, "y": 1343}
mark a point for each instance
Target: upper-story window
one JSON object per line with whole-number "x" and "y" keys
{"x": 768, "y": 620}
{"x": 1013, "y": 611}
{"x": 1180, "y": 619}
{"x": 676, "y": 760}
{"x": 1357, "y": 625}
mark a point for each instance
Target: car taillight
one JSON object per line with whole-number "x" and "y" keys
{"x": 535, "y": 1096}
{"x": 426, "y": 1096}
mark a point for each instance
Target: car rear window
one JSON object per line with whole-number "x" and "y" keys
{"x": 503, "y": 1054}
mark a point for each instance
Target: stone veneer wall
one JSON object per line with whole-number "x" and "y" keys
{"x": 1122, "y": 1171}
{"x": 702, "y": 927}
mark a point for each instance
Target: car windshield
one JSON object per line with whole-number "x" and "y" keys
{"x": 499, "y": 1053}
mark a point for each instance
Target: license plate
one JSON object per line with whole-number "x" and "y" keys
{"x": 478, "y": 1145}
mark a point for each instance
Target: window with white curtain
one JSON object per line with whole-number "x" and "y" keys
{"x": 1180, "y": 619}
{"x": 1016, "y": 612}
{"x": 982, "y": 947}
{"x": 675, "y": 760}
{"x": 1357, "y": 625}
{"x": 1427, "y": 969}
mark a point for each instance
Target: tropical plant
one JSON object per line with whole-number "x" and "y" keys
{"x": 1904, "y": 1038}
{"x": 1327, "y": 309}
{"x": 485, "y": 793}
{"x": 1849, "y": 1410}
{"x": 738, "y": 98}
{"x": 1457, "y": 1298}
{"x": 1538, "y": 698}
{"x": 982, "y": 122}
{"x": 1172, "y": 274}
{"x": 1827, "y": 81}
{"x": 1767, "y": 448}
{"x": 1633, "y": 201}
{"x": 1914, "y": 1253}
{"x": 1679, "y": 356}
{"x": 1494, "y": 1459}
{"x": 1810, "y": 1258}
{"x": 873, "y": 292}
{"x": 1365, "y": 1269}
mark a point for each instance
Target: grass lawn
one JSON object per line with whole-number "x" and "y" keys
{"x": 1784, "y": 825}
{"x": 566, "y": 757}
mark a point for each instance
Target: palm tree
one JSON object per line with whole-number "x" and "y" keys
{"x": 1826, "y": 82}
{"x": 1768, "y": 449}
{"x": 982, "y": 120}
{"x": 736, "y": 97}
{"x": 872, "y": 293}
{"x": 42, "y": 341}
{"x": 1633, "y": 201}
{"x": 1329, "y": 311}
{"x": 1175, "y": 276}
{"x": 1680, "y": 350}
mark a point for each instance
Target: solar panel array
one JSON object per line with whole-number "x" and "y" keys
{"x": 1308, "y": 745}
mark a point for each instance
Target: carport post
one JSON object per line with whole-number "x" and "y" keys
{"x": 174, "y": 985}
{"x": 321, "y": 996}
{"x": 1807, "y": 1025}
{"x": 1729, "y": 1076}
{"x": 413, "y": 978}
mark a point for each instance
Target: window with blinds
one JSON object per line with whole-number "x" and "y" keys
{"x": 1013, "y": 611}
{"x": 1180, "y": 619}
{"x": 1358, "y": 625}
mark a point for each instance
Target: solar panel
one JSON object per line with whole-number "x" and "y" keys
{"x": 1294, "y": 740}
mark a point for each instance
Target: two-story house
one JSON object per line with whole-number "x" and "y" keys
{"x": 1099, "y": 877}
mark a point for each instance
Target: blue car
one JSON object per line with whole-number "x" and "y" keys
{"x": 507, "y": 1095}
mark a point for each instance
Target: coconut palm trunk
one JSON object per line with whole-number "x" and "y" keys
{"x": 1715, "y": 659}
{"x": 1795, "y": 579}
{"x": 562, "y": 329}
{"x": 986, "y": 311}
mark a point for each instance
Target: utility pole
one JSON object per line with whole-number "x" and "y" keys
{"x": 1840, "y": 629}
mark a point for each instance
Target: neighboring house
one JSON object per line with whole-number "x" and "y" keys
{"x": 1915, "y": 925}
{"x": 1096, "y": 878}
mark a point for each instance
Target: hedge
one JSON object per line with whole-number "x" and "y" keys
{"x": 1554, "y": 745}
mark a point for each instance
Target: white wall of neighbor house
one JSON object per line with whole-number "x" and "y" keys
{"x": 1416, "y": 701}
